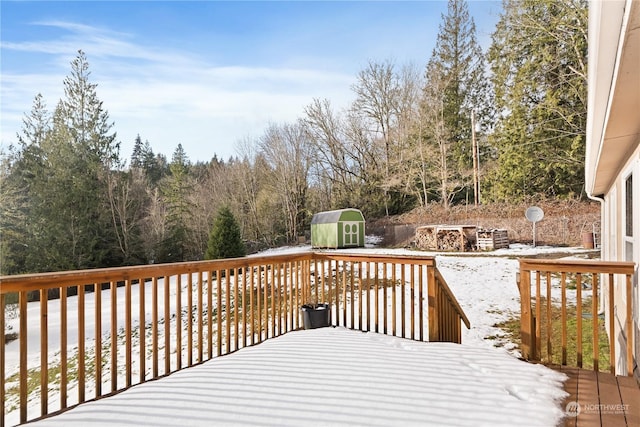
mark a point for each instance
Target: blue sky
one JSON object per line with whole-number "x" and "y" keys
{"x": 208, "y": 74}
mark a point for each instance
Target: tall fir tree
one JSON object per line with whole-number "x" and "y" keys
{"x": 137, "y": 159}
{"x": 22, "y": 168}
{"x": 176, "y": 190}
{"x": 456, "y": 70}
{"x": 538, "y": 57}
{"x": 65, "y": 162}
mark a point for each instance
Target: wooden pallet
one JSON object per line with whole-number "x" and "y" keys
{"x": 488, "y": 240}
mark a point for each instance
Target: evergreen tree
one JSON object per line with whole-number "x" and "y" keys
{"x": 456, "y": 72}
{"x": 137, "y": 159}
{"x": 22, "y": 168}
{"x": 65, "y": 165}
{"x": 538, "y": 59}
{"x": 155, "y": 166}
{"x": 225, "y": 239}
{"x": 176, "y": 189}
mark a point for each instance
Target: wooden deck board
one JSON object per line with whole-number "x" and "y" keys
{"x": 631, "y": 399}
{"x": 571, "y": 387}
{"x": 588, "y": 397}
{"x": 604, "y": 399}
{"x": 611, "y": 409}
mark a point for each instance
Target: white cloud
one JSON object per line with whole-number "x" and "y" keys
{"x": 165, "y": 96}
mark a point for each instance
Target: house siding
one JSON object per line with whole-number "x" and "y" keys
{"x": 617, "y": 246}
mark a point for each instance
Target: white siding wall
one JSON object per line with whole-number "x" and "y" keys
{"x": 618, "y": 247}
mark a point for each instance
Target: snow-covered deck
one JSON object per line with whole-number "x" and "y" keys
{"x": 336, "y": 376}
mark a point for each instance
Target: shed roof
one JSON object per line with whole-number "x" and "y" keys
{"x": 328, "y": 217}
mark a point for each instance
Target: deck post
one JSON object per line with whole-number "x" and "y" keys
{"x": 526, "y": 319}
{"x": 434, "y": 327}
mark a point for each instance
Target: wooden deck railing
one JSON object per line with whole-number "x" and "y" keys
{"x": 561, "y": 317}
{"x": 101, "y": 331}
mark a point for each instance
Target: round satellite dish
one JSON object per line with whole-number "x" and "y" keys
{"x": 534, "y": 214}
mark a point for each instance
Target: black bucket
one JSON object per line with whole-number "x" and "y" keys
{"x": 316, "y": 317}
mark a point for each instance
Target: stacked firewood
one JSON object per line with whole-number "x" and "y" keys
{"x": 445, "y": 238}
{"x": 426, "y": 238}
{"x": 453, "y": 240}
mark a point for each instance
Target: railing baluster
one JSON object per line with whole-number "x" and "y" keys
{"x": 403, "y": 313}
{"x": 612, "y": 328}
{"x": 360, "y": 295}
{"x": 385, "y": 284}
{"x": 44, "y": 352}
{"x": 336, "y": 288}
{"x": 579, "y": 318}
{"x": 114, "y": 335}
{"x": 81, "y": 344}
{"x": 375, "y": 295}
{"x": 227, "y": 311}
{"x": 219, "y": 312}
{"x": 344, "y": 293}
{"x": 536, "y": 341}
{"x": 63, "y": 347}
{"x": 142, "y": 326}
{"x": 259, "y": 302}
{"x": 563, "y": 315}
{"x": 189, "y": 319}
{"x": 242, "y": 273}
{"x": 322, "y": 281}
{"x": 292, "y": 307}
{"x": 97, "y": 290}
{"x": 367, "y": 269}
{"x": 167, "y": 325}
{"x": 596, "y": 322}
{"x": 236, "y": 319}
{"x": 272, "y": 307}
{"x": 294, "y": 295}
{"x": 549, "y": 319}
{"x": 413, "y": 301}
{"x": 200, "y": 317}
{"x": 276, "y": 283}
{"x": 128, "y": 336}
{"x": 179, "y": 321}
{"x": 23, "y": 356}
{"x": 394, "y": 332}
{"x": 209, "y": 314}
{"x": 2, "y": 358}
{"x": 154, "y": 326}
{"x": 628, "y": 327}
{"x": 352, "y": 294}
{"x": 421, "y": 274}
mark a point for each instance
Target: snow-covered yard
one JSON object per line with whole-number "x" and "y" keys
{"x": 349, "y": 377}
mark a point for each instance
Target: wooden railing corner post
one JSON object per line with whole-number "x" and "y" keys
{"x": 526, "y": 319}
{"x": 434, "y": 326}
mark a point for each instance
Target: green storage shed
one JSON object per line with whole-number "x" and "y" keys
{"x": 342, "y": 228}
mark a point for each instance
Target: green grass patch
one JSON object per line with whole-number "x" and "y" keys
{"x": 511, "y": 328}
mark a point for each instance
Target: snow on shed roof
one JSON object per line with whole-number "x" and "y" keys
{"x": 328, "y": 217}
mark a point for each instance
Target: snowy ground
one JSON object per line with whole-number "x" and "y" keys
{"x": 485, "y": 286}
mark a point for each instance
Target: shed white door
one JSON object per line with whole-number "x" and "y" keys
{"x": 351, "y": 232}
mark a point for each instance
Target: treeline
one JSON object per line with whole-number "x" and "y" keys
{"x": 70, "y": 201}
